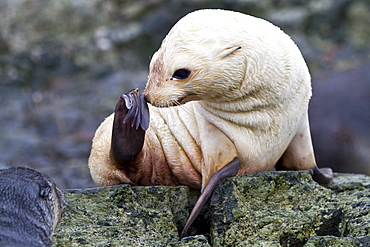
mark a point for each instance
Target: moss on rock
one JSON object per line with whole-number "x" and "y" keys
{"x": 289, "y": 209}
{"x": 263, "y": 209}
{"x": 123, "y": 216}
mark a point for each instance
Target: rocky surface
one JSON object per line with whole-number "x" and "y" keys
{"x": 124, "y": 216}
{"x": 63, "y": 64}
{"x": 264, "y": 209}
{"x": 288, "y": 209}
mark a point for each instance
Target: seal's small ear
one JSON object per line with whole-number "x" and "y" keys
{"x": 45, "y": 192}
{"x": 228, "y": 51}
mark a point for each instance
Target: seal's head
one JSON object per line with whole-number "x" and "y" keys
{"x": 20, "y": 185}
{"x": 190, "y": 64}
{"x": 218, "y": 56}
{"x": 31, "y": 206}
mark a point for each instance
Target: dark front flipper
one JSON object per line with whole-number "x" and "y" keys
{"x": 227, "y": 171}
{"x": 131, "y": 120}
{"x": 323, "y": 175}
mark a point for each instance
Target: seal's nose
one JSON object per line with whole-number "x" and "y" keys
{"x": 146, "y": 98}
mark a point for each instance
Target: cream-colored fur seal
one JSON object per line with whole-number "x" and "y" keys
{"x": 246, "y": 87}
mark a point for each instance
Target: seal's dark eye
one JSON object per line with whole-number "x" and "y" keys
{"x": 181, "y": 74}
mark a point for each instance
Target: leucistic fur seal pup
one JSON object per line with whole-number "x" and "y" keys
{"x": 228, "y": 95}
{"x": 30, "y": 207}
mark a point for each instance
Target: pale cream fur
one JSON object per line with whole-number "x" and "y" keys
{"x": 247, "y": 96}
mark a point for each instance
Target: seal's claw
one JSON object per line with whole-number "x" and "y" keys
{"x": 144, "y": 112}
{"x": 137, "y": 110}
{"x": 131, "y": 120}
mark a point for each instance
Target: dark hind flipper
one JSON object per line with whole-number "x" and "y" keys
{"x": 322, "y": 175}
{"x": 227, "y": 171}
{"x": 131, "y": 120}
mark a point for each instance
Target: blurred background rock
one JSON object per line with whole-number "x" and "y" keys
{"x": 63, "y": 65}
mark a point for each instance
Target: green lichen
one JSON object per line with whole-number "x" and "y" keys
{"x": 197, "y": 240}
{"x": 288, "y": 208}
{"x": 264, "y": 209}
{"x": 122, "y": 216}
{"x": 329, "y": 241}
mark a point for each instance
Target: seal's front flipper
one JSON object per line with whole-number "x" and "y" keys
{"x": 131, "y": 120}
{"x": 322, "y": 175}
{"x": 227, "y": 171}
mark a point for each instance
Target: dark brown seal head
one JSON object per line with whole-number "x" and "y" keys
{"x": 30, "y": 207}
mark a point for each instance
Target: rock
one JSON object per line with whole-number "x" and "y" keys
{"x": 288, "y": 209}
{"x": 198, "y": 240}
{"x": 263, "y": 209}
{"x": 125, "y": 216}
{"x": 337, "y": 241}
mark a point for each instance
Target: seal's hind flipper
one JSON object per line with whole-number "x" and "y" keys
{"x": 131, "y": 120}
{"x": 230, "y": 169}
{"x": 322, "y": 175}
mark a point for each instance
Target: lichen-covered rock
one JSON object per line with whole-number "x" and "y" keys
{"x": 124, "y": 216}
{"x": 264, "y": 209}
{"x": 329, "y": 241}
{"x": 198, "y": 241}
{"x": 290, "y": 209}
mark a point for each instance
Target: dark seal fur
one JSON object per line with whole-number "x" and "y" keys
{"x": 30, "y": 207}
